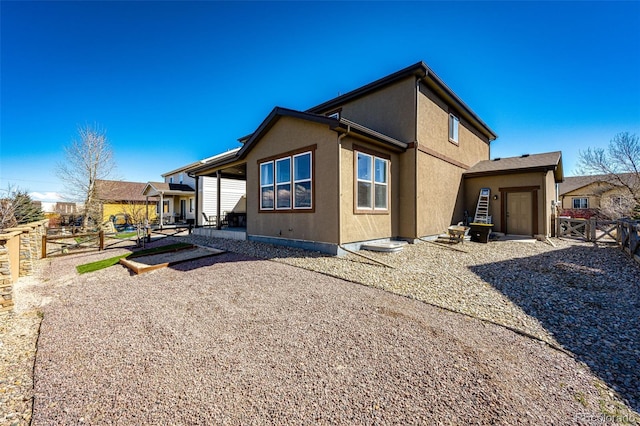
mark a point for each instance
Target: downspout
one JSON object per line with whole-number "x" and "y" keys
{"x": 340, "y": 137}
{"x": 415, "y": 152}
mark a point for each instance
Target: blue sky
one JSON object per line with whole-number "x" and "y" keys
{"x": 174, "y": 82}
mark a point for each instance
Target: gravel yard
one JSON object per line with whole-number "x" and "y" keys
{"x": 237, "y": 340}
{"x": 578, "y": 296}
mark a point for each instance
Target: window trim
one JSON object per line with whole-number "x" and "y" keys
{"x": 454, "y": 136}
{"x": 573, "y": 202}
{"x": 272, "y": 185}
{"x": 291, "y": 155}
{"x": 276, "y": 183}
{"x": 374, "y": 155}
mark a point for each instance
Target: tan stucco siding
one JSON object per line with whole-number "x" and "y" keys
{"x": 550, "y": 197}
{"x": 362, "y": 226}
{"x": 390, "y": 111}
{"x": 405, "y": 178}
{"x": 514, "y": 181}
{"x": 290, "y": 134}
{"x": 433, "y": 132}
{"x": 439, "y": 196}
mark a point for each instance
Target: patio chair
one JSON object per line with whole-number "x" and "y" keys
{"x": 209, "y": 220}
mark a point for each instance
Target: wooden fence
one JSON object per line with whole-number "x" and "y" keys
{"x": 89, "y": 240}
{"x": 625, "y": 233}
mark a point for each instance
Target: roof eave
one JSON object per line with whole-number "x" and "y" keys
{"x": 510, "y": 171}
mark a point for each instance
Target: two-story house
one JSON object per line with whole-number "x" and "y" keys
{"x": 383, "y": 161}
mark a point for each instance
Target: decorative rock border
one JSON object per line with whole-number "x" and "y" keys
{"x": 19, "y": 250}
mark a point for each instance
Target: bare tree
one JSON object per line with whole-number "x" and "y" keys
{"x": 620, "y": 162}
{"x": 87, "y": 160}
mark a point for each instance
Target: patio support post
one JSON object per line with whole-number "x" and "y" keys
{"x": 218, "y": 200}
{"x": 197, "y": 210}
{"x": 161, "y": 209}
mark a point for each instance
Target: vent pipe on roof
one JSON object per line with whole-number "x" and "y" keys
{"x": 524, "y": 155}
{"x": 496, "y": 159}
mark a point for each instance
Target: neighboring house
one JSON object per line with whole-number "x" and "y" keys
{"x": 188, "y": 198}
{"x": 595, "y": 195}
{"x": 387, "y": 160}
{"x": 119, "y": 198}
{"x": 523, "y": 191}
{"x": 65, "y": 208}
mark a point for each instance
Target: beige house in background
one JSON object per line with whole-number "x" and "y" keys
{"x": 387, "y": 160}
{"x": 586, "y": 196}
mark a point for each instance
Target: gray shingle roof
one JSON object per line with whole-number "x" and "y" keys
{"x": 524, "y": 163}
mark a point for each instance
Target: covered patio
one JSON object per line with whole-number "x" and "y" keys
{"x": 226, "y": 221}
{"x": 176, "y": 202}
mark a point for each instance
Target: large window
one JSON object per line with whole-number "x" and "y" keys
{"x": 454, "y": 123}
{"x": 372, "y": 190}
{"x": 581, "y": 203}
{"x": 286, "y": 182}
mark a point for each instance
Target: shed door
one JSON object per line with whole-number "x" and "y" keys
{"x": 519, "y": 213}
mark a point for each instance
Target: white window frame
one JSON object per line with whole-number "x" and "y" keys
{"x": 272, "y": 185}
{"x": 579, "y": 200}
{"x": 309, "y": 179}
{"x": 283, "y": 183}
{"x": 454, "y": 129}
{"x": 372, "y": 182}
{"x": 293, "y": 202}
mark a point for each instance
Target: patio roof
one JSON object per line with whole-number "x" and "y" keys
{"x": 157, "y": 188}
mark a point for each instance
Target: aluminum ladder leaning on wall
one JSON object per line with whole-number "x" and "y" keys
{"x": 482, "y": 209}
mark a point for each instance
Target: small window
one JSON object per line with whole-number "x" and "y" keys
{"x": 190, "y": 204}
{"x": 454, "y": 123}
{"x": 171, "y": 179}
{"x": 372, "y": 182}
{"x": 266, "y": 186}
{"x": 581, "y": 203}
{"x": 181, "y": 178}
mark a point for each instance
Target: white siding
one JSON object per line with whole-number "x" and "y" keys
{"x": 186, "y": 179}
{"x": 232, "y": 191}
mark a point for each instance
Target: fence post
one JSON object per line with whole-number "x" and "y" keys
{"x": 101, "y": 236}
{"x": 44, "y": 246}
{"x": 591, "y": 232}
